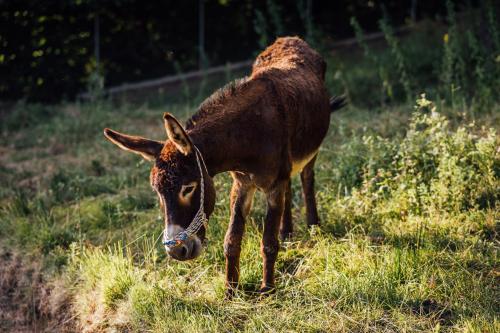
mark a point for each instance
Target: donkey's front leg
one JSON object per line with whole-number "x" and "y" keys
{"x": 241, "y": 202}
{"x": 270, "y": 243}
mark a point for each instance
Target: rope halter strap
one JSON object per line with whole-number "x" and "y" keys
{"x": 200, "y": 219}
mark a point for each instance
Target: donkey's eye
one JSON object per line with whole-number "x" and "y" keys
{"x": 187, "y": 190}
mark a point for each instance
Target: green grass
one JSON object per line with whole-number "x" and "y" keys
{"x": 409, "y": 240}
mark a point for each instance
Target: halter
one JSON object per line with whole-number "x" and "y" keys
{"x": 200, "y": 219}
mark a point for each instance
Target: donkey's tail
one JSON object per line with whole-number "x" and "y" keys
{"x": 337, "y": 102}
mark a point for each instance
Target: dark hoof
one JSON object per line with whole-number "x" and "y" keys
{"x": 230, "y": 293}
{"x": 267, "y": 290}
{"x": 286, "y": 236}
{"x": 316, "y": 223}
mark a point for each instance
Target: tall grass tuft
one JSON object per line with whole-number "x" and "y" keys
{"x": 386, "y": 90}
{"x": 400, "y": 61}
{"x": 267, "y": 29}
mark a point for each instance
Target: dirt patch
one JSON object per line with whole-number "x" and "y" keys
{"x": 28, "y": 303}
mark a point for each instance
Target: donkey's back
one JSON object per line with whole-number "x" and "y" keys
{"x": 290, "y": 54}
{"x": 297, "y": 74}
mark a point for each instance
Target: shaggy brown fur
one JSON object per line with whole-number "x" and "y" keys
{"x": 263, "y": 129}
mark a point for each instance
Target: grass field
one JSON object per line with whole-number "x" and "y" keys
{"x": 409, "y": 240}
{"x": 408, "y": 194}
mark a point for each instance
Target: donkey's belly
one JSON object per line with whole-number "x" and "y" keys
{"x": 299, "y": 164}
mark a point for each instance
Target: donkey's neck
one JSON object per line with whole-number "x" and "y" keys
{"x": 216, "y": 142}
{"x": 216, "y": 129}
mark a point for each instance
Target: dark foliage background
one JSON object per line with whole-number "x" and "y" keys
{"x": 47, "y": 49}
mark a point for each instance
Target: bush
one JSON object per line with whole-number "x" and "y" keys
{"x": 433, "y": 170}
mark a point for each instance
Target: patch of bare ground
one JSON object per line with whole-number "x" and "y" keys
{"x": 28, "y": 303}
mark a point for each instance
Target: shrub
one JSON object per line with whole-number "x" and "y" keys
{"x": 433, "y": 169}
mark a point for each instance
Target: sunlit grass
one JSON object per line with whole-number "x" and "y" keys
{"x": 391, "y": 254}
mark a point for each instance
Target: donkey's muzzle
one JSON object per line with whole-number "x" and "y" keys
{"x": 180, "y": 252}
{"x": 186, "y": 249}
{"x": 189, "y": 249}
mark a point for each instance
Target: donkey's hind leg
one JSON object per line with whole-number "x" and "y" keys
{"x": 307, "y": 179}
{"x": 286, "y": 225}
{"x": 270, "y": 244}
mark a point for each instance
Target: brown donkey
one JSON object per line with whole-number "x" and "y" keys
{"x": 263, "y": 129}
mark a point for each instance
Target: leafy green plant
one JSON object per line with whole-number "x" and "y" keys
{"x": 312, "y": 32}
{"x": 386, "y": 90}
{"x": 432, "y": 170}
{"x": 263, "y": 28}
{"x": 275, "y": 12}
{"x": 95, "y": 86}
{"x": 404, "y": 78}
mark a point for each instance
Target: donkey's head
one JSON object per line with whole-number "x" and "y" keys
{"x": 177, "y": 176}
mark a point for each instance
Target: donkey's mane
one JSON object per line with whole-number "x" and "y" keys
{"x": 209, "y": 105}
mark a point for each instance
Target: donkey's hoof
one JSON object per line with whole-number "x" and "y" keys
{"x": 286, "y": 236}
{"x": 267, "y": 290}
{"x": 314, "y": 224}
{"x": 229, "y": 293}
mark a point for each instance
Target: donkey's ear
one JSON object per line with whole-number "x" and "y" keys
{"x": 149, "y": 149}
{"x": 177, "y": 134}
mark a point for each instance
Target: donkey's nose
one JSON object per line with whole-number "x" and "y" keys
{"x": 181, "y": 252}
